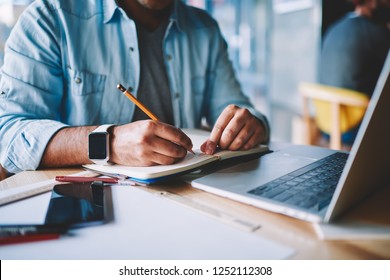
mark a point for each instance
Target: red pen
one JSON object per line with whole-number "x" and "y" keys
{"x": 78, "y": 179}
{"x": 28, "y": 238}
{"x": 11, "y": 234}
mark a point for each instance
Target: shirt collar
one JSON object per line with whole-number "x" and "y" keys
{"x": 175, "y": 16}
{"x": 109, "y": 9}
{"x": 353, "y": 14}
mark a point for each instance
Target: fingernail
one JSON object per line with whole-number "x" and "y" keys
{"x": 210, "y": 148}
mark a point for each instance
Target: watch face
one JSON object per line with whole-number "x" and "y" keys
{"x": 98, "y": 145}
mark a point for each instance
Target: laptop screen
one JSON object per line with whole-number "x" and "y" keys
{"x": 367, "y": 168}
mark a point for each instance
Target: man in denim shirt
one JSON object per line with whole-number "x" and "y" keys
{"x": 64, "y": 59}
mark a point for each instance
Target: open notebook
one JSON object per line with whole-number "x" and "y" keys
{"x": 190, "y": 163}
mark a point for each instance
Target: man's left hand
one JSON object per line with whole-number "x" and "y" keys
{"x": 235, "y": 129}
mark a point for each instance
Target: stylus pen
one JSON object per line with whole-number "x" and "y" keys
{"x": 79, "y": 179}
{"x": 140, "y": 105}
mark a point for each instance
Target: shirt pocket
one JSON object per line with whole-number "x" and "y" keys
{"x": 84, "y": 98}
{"x": 84, "y": 83}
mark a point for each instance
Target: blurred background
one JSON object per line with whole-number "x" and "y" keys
{"x": 274, "y": 45}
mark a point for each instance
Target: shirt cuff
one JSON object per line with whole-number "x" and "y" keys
{"x": 27, "y": 148}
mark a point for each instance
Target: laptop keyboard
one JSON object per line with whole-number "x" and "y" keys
{"x": 310, "y": 187}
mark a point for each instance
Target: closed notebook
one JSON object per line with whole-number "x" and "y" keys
{"x": 190, "y": 163}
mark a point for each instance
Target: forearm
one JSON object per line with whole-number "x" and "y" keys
{"x": 68, "y": 147}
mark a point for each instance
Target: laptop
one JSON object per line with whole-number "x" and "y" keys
{"x": 311, "y": 183}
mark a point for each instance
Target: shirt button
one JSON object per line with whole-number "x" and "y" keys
{"x": 131, "y": 49}
{"x": 177, "y": 95}
{"x": 77, "y": 80}
{"x": 130, "y": 89}
{"x": 2, "y": 92}
{"x": 169, "y": 57}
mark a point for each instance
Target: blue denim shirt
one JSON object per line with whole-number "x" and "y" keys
{"x": 64, "y": 59}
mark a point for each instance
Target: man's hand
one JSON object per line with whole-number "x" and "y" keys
{"x": 235, "y": 129}
{"x": 145, "y": 143}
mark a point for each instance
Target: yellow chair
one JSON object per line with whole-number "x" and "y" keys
{"x": 337, "y": 110}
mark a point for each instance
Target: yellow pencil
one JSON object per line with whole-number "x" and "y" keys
{"x": 140, "y": 105}
{"x": 137, "y": 102}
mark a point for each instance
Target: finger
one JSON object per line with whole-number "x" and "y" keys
{"x": 167, "y": 148}
{"x": 219, "y": 127}
{"x": 222, "y": 121}
{"x": 203, "y": 146}
{"x": 160, "y": 159}
{"x": 174, "y": 135}
{"x": 230, "y": 133}
{"x": 258, "y": 137}
{"x": 208, "y": 147}
{"x": 242, "y": 137}
{"x": 254, "y": 140}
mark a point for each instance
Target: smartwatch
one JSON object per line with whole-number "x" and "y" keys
{"x": 99, "y": 145}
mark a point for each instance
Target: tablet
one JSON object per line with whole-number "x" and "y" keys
{"x": 79, "y": 204}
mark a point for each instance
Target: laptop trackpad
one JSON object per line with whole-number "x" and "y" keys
{"x": 254, "y": 173}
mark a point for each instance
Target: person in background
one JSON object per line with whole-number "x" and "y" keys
{"x": 354, "y": 50}
{"x": 355, "y": 47}
{"x": 64, "y": 59}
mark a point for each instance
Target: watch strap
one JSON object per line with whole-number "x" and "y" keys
{"x": 102, "y": 128}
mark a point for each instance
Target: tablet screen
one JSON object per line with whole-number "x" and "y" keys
{"x": 77, "y": 205}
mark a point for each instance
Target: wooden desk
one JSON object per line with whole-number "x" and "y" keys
{"x": 288, "y": 231}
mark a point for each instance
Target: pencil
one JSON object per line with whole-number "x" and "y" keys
{"x": 137, "y": 102}
{"x": 140, "y": 105}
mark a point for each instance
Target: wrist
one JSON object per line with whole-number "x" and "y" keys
{"x": 113, "y": 130}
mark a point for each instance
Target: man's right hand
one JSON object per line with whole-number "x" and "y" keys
{"x": 146, "y": 143}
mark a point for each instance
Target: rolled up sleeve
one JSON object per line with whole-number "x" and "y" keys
{"x": 26, "y": 144}
{"x": 31, "y": 89}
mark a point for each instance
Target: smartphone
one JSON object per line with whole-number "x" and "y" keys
{"x": 79, "y": 204}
